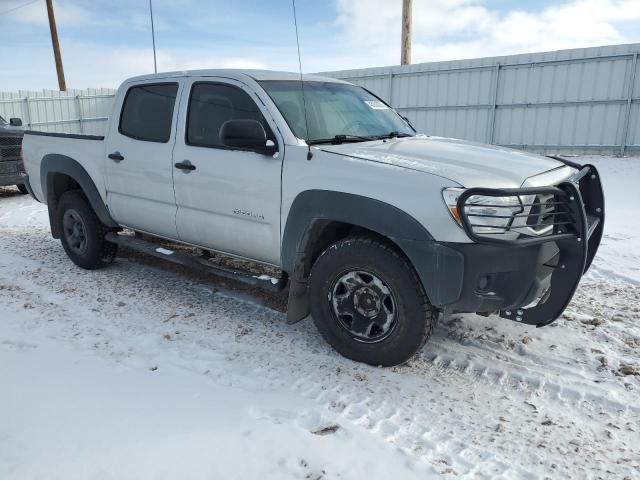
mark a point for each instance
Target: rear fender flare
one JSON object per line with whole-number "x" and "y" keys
{"x": 54, "y": 163}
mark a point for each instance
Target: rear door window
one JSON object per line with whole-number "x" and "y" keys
{"x": 147, "y": 112}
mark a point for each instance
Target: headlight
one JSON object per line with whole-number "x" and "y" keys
{"x": 450, "y": 196}
{"x": 488, "y": 214}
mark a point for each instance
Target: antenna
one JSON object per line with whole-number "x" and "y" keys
{"x": 304, "y": 102}
{"x": 153, "y": 38}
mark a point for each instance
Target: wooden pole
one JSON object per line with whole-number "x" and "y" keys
{"x": 56, "y": 46}
{"x": 405, "y": 55}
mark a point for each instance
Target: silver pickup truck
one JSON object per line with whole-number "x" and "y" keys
{"x": 376, "y": 230}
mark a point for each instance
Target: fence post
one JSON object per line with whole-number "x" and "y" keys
{"x": 627, "y": 113}
{"x": 389, "y": 99}
{"x": 27, "y": 112}
{"x": 494, "y": 106}
{"x": 79, "y": 108}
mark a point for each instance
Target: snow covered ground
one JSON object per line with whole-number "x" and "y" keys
{"x": 141, "y": 370}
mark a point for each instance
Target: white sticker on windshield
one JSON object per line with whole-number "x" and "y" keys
{"x": 376, "y": 104}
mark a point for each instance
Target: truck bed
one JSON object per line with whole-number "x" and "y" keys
{"x": 87, "y": 150}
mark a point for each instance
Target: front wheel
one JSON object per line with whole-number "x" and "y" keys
{"x": 368, "y": 303}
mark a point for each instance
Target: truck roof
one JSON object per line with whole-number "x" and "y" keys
{"x": 236, "y": 74}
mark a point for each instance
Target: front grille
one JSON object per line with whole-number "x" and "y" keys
{"x": 10, "y": 148}
{"x": 543, "y": 214}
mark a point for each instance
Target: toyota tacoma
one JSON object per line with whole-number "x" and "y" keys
{"x": 376, "y": 230}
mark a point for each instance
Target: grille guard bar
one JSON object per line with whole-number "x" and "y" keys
{"x": 577, "y": 240}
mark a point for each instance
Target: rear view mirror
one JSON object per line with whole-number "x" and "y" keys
{"x": 15, "y": 122}
{"x": 247, "y": 135}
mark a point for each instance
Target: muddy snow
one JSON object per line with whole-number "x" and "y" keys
{"x": 141, "y": 370}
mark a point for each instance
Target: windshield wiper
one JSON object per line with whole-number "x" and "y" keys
{"x": 341, "y": 139}
{"x": 394, "y": 134}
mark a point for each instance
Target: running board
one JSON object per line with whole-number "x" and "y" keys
{"x": 202, "y": 264}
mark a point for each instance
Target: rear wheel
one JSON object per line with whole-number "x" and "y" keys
{"x": 81, "y": 232}
{"x": 368, "y": 303}
{"x": 23, "y": 188}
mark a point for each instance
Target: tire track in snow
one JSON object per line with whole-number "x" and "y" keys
{"x": 414, "y": 415}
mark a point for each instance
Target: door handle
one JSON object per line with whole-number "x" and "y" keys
{"x": 116, "y": 156}
{"x": 186, "y": 165}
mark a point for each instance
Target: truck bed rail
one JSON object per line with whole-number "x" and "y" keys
{"x": 64, "y": 135}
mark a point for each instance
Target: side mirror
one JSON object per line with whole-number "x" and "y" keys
{"x": 15, "y": 122}
{"x": 247, "y": 135}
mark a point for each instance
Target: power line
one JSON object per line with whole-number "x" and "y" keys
{"x": 18, "y": 7}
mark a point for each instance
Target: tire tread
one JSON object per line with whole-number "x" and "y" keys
{"x": 429, "y": 313}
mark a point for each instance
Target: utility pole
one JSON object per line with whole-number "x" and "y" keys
{"x": 405, "y": 55}
{"x": 56, "y": 46}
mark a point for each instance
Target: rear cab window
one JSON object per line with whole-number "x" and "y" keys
{"x": 147, "y": 112}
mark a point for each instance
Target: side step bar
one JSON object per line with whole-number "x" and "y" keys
{"x": 202, "y": 264}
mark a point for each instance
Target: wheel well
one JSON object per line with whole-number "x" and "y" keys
{"x": 324, "y": 233}
{"x": 57, "y": 184}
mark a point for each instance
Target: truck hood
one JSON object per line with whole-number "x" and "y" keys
{"x": 8, "y": 130}
{"x": 467, "y": 163}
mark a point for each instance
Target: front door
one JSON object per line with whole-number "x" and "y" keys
{"x": 139, "y": 168}
{"x": 228, "y": 200}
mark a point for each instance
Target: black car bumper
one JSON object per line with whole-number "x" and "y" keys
{"x": 498, "y": 278}
{"x": 532, "y": 278}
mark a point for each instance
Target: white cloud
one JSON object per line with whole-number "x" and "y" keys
{"x": 67, "y": 13}
{"x": 94, "y": 65}
{"x": 455, "y": 29}
{"x": 369, "y": 35}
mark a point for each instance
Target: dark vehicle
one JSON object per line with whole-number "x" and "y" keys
{"x": 11, "y": 167}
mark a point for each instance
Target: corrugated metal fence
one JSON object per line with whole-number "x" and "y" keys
{"x": 569, "y": 101}
{"x": 73, "y": 111}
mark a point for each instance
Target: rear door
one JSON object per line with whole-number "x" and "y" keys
{"x": 139, "y": 168}
{"x": 230, "y": 200}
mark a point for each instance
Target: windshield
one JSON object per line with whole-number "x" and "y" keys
{"x": 336, "y": 112}
{"x": 2, "y": 121}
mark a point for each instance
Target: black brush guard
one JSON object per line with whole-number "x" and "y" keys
{"x": 574, "y": 220}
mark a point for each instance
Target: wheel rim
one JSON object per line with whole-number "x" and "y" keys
{"x": 74, "y": 231}
{"x": 364, "y": 306}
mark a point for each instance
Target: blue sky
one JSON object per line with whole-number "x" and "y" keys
{"x": 104, "y": 42}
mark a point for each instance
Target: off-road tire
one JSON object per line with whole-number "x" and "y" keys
{"x": 97, "y": 252}
{"x": 23, "y": 189}
{"x": 416, "y": 317}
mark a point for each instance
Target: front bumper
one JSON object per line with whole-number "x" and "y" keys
{"x": 530, "y": 279}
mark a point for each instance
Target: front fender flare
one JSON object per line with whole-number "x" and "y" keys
{"x": 439, "y": 268}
